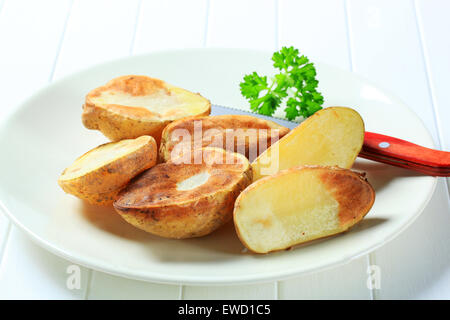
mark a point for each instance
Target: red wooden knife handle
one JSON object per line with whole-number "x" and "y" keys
{"x": 405, "y": 154}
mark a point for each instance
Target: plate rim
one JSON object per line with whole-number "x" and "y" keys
{"x": 262, "y": 277}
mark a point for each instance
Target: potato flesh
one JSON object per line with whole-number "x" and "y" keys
{"x": 98, "y": 175}
{"x": 178, "y": 104}
{"x": 103, "y": 155}
{"x": 177, "y": 200}
{"x": 331, "y": 137}
{"x": 194, "y": 181}
{"x": 287, "y": 211}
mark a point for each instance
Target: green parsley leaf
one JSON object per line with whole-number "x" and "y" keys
{"x": 296, "y": 81}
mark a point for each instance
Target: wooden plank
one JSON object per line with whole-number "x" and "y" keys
{"x": 30, "y": 272}
{"x": 97, "y": 31}
{"x": 318, "y": 29}
{"x": 29, "y": 64}
{"x": 111, "y": 36}
{"x": 151, "y": 19}
{"x": 433, "y": 23}
{"x": 4, "y": 221}
{"x": 232, "y": 24}
{"x": 87, "y": 27}
{"x": 416, "y": 264}
{"x": 250, "y": 292}
{"x": 347, "y": 282}
{"x": 170, "y": 24}
{"x": 1, "y": 6}
{"x": 423, "y": 279}
{"x": 29, "y": 46}
{"x": 5, "y": 226}
{"x": 242, "y": 24}
{"x": 386, "y": 48}
{"x": 104, "y": 286}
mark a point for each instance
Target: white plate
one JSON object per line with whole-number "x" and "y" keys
{"x": 45, "y": 135}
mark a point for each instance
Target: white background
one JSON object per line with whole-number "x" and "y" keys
{"x": 403, "y": 45}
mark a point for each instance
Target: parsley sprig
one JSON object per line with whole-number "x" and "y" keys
{"x": 295, "y": 81}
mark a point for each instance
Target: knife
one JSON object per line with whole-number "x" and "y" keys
{"x": 378, "y": 147}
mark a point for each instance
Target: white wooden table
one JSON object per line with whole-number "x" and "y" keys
{"x": 402, "y": 45}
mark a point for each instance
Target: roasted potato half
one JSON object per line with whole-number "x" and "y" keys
{"x": 186, "y": 199}
{"x": 98, "y": 175}
{"x": 131, "y": 106}
{"x": 300, "y": 204}
{"x": 244, "y": 134}
{"x": 331, "y": 137}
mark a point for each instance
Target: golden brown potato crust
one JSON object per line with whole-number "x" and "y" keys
{"x": 353, "y": 193}
{"x": 351, "y": 190}
{"x": 152, "y": 201}
{"x": 134, "y": 84}
{"x": 119, "y": 122}
{"x": 100, "y": 186}
{"x": 246, "y": 134}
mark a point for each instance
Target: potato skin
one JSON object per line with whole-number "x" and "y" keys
{"x": 116, "y": 126}
{"x": 100, "y": 187}
{"x": 202, "y": 212}
{"x": 330, "y": 137}
{"x": 118, "y": 122}
{"x": 343, "y": 184}
{"x": 181, "y": 221}
{"x": 220, "y": 123}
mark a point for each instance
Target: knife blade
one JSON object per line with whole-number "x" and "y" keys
{"x": 377, "y": 147}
